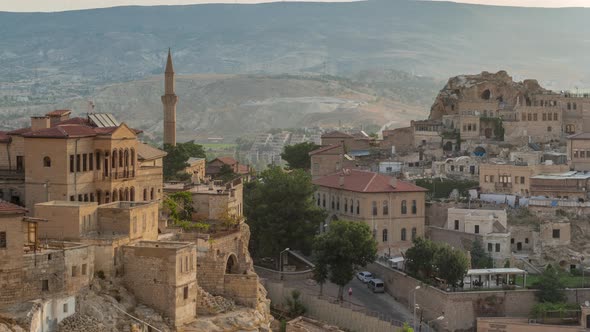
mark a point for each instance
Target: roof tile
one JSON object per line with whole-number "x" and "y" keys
{"x": 365, "y": 181}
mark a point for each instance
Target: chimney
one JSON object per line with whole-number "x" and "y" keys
{"x": 39, "y": 122}
{"x": 393, "y": 182}
{"x": 341, "y": 180}
{"x": 58, "y": 116}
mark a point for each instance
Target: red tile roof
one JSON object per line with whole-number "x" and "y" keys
{"x": 324, "y": 149}
{"x": 58, "y": 112}
{"x": 226, "y": 160}
{"x": 63, "y": 131}
{"x": 243, "y": 169}
{"x": 6, "y": 207}
{"x": 4, "y": 138}
{"x": 336, "y": 134}
{"x": 365, "y": 182}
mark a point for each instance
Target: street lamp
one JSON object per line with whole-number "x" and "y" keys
{"x": 414, "y": 290}
{"x": 281, "y": 263}
{"x": 430, "y": 321}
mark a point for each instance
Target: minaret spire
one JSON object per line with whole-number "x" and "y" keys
{"x": 169, "y": 100}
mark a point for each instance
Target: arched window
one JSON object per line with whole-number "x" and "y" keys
{"x": 358, "y": 207}
{"x": 115, "y": 196}
{"x": 569, "y": 106}
{"x": 374, "y": 206}
{"x": 133, "y": 157}
{"x": 385, "y": 235}
{"x": 403, "y": 234}
{"x": 145, "y": 194}
{"x": 338, "y": 203}
{"x": 324, "y": 200}
{"x": 319, "y": 199}
{"x": 333, "y": 203}
{"x": 121, "y": 157}
{"x": 345, "y": 205}
{"x": 114, "y": 162}
{"x": 385, "y": 208}
{"x": 415, "y": 206}
{"x": 414, "y": 233}
{"x": 575, "y": 106}
{"x": 126, "y": 157}
{"x": 46, "y": 162}
{"x": 404, "y": 207}
{"x": 351, "y": 206}
{"x": 152, "y": 195}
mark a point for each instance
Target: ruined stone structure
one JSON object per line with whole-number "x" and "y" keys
{"x": 163, "y": 275}
{"x": 92, "y": 159}
{"x": 169, "y": 100}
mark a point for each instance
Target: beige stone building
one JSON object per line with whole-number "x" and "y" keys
{"x": 328, "y": 160}
{"x": 92, "y": 159}
{"x": 214, "y": 167}
{"x": 351, "y": 142}
{"x": 578, "y": 151}
{"x": 163, "y": 275}
{"x": 512, "y": 178}
{"x": 394, "y": 210}
{"x": 196, "y": 168}
{"x": 568, "y": 185}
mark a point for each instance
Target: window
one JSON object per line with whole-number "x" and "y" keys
{"x": 74, "y": 271}
{"x": 84, "y": 269}
{"x": 385, "y": 235}
{"x": 582, "y": 154}
{"x": 491, "y": 178}
{"x": 404, "y": 207}
{"x": 345, "y": 205}
{"x": 512, "y": 241}
{"x": 319, "y": 197}
{"x": 84, "y": 162}
{"x": 414, "y": 232}
{"x": 385, "y": 208}
{"x": 535, "y": 117}
{"x": 333, "y": 203}
{"x": 91, "y": 161}
{"x": 78, "y": 163}
{"x": 351, "y": 206}
{"x": 358, "y": 207}
{"x": 414, "y": 207}
{"x": 98, "y": 160}
{"x": 486, "y": 178}
{"x": 85, "y": 197}
{"x": 71, "y": 163}
{"x": 185, "y": 292}
{"x": 20, "y": 163}
{"x": 544, "y": 116}
{"x": 65, "y": 308}
{"x": 549, "y": 116}
{"x": 497, "y": 247}
{"x": 526, "y": 240}
{"x": 338, "y": 203}
{"x": 152, "y": 194}
{"x": 374, "y": 204}
{"x": 490, "y": 247}
{"x": 529, "y": 117}
{"x": 46, "y": 162}
{"x": 72, "y": 198}
{"x": 554, "y": 116}
{"x": 476, "y": 231}
{"x": 456, "y": 225}
{"x": 45, "y": 285}
{"x": 523, "y": 116}
{"x": 2, "y": 240}
{"x": 522, "y": 180}
{"x": 549, "y": 129}
{"x": 556, "y": 234}
{"x": 403, "y": 234}
{"x": 92, "y": 197}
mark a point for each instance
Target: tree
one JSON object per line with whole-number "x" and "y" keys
{"x": 226, "y": 173}
{"x": 550, "y": 286}
{"x": 420, "y": 257}
{"x": 320, "y": 274}
{"x": 297, "y": 156}
{"x": 281, "y": 213}
{"x": 344, "y": 248}
{"x": 480, "y": 259}
{"x": 451, "y": 264}
{"x": 294, "y": 305}
{"x": 176, "y": 160}
{"x": 407, "y": 328}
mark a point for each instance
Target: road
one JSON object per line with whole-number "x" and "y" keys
{"x": 362, "y": 298}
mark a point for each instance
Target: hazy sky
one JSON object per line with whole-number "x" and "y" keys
{"x": 60, "y": 5}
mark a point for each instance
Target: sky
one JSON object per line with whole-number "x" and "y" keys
{"x": 61, "y": 5}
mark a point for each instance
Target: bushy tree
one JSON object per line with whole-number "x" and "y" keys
{"x": 297, "y": 156}
{"x": 176, "y": 160}
{"x": 320, "y": 274}
{"x": 226, "y": 173}
{"x": 294, "y": 305}
{"x": 280, "y": 210}
{"x": 550, "y": 286}
{"x": 344, "y": 248}
{"x": 420, "y": 257}
{"x": 480, "y": 259}
{"x": 451, "y": 264}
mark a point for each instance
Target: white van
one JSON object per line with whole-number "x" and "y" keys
{"x": 376, "y": 285}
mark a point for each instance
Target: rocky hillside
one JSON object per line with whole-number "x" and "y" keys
{"x": 233, "y": 105}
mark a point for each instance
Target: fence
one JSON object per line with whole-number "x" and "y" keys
{"x": 329, "y": 310}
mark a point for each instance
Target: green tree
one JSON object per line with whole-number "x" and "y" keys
{"x": 407, "y": 328}
{"x": 550, "y": 286}
{"x": 451, "y": 264}
{"x": 420, "y": 257}
{"x": 480, "y": 259}
{"x": 320, "y": 274}
{"x": 345, "y": 247}
{"x": 226, "y": 173}
{"x": 294, "y": 305}
{"x": 176, "y": 159}
{"x": 297, "y": 156}
{"x": 281, "y": 213}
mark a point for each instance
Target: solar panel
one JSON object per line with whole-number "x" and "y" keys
{"x": 102, "y": 120}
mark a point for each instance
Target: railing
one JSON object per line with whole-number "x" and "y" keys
{"x": 12, "y": 173}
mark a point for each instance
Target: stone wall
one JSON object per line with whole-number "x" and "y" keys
{"x": 462, "y": 308}
{"x": 242, "y": 288}
{"x": 11, "y": 264}
{"x": 501, "y": 324}
{"x": 455, "y": 239}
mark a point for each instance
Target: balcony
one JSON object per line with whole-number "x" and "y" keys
{"x": 12, "y": 174}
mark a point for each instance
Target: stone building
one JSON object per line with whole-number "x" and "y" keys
{"x": 394, "y": 210}
{"x": 79, "y": 159}
{"x": 163, "y": 276}
{"x": 328, "y": 160}
{"x": 568, "y": 185}
{"x": 512, "y": 177}
{"x": 463, "y": 167}
{"x": 196, "y": 168}
{"x": 351, "y": 143}
{"x": 578, "y": 151}
{"x": 214, "y": 167}
{"x": 491, "y": 224}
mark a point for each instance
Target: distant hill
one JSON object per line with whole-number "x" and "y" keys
{"x": 434, "y": 39}
{"x": 235, "y": 105}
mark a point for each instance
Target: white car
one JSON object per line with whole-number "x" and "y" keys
{"x": 364, "y": 276}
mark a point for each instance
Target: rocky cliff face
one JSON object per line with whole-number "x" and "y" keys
{"x": 482, "y": 88}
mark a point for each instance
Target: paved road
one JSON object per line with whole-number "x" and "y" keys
{"x": 362, "y": 298}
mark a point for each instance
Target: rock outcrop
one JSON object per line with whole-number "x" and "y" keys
{"x": 482, "y": 88}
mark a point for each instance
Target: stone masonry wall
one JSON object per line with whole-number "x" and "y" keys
{"x": 242, "y": 288}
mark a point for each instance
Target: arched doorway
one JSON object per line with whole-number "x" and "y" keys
{"x": 486, "y": 94}
{"x": 231, "y": 267}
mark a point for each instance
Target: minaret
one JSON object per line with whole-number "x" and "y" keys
{"x": 169, "y": 100}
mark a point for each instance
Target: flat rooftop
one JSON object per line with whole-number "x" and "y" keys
{"x": 211, "y": 188}
{"x": 508, "y": 270}
{"x": 67, "y": 203}
{"x": 162, "y": 244}
{"x": 124, "y": 205}
{"x": 573, "y": 175}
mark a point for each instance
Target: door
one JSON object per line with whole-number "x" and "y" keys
{"x": 519, "y": 246}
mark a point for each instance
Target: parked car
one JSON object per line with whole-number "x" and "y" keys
{"x": 364, "y": 276}
{"x": 376, "y": 285}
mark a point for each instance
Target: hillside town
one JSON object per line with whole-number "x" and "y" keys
{"x": 466, "y": 214}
